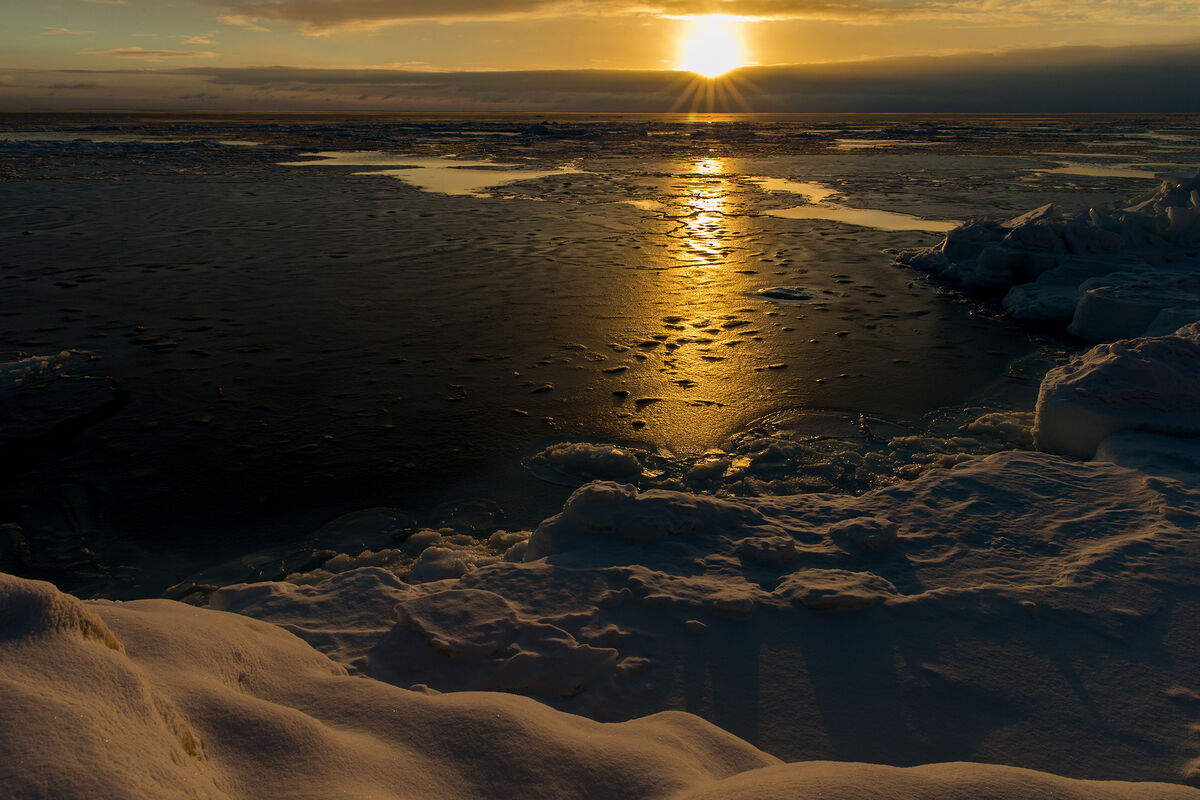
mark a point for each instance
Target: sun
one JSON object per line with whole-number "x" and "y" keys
{"x": 711, "y": 46}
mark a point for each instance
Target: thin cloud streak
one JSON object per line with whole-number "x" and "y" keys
{"x": 323, "y": 16}
{"x": 138, "y": 52}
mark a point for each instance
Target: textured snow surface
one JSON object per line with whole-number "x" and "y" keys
{"x": 972, "y": 614}
{"x": 156, "y": 699}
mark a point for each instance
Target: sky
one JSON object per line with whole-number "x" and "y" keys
{"x": 600, "y": 55}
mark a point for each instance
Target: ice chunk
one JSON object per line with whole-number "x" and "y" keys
{"x": 461, "y": 622}
{"x": 867, "y": 533}
{"x": 1172, "y": 319}
{"x": 1047, "y": 213}
{"x": 1150, "y": 384}
{"x": 439, "y": 563}
{"x": 834, "y": 589}
{"x": 512, "y": 653}
{"x": 1053, "y": 295}
{"x": 587, "y": 460}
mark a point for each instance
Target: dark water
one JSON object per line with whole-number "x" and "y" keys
{"x": 257, "y": 348}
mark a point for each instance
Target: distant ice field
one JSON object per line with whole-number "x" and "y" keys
{"x": 251, "y": 341}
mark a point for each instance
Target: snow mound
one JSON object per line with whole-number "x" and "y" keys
{"x": 33, "y": 609}
{"x": 1108, "y": 272}
{"x": 604, "y": 510}
{"x": 209, "y": 704}
{"x": 1148, "y": 384}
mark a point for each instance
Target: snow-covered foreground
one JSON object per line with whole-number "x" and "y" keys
{"x": 157, "y": 699}
{"x": 1022, "y": 608}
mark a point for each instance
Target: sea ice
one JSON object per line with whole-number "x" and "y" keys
{"x": 1106, "y": 271}
{"x": 1122, "y": 305}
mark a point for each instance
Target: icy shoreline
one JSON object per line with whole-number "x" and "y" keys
{"x": 1019, "y": 608}
{"x": 1046, "y": 564}
{"x": 971, "y": 615}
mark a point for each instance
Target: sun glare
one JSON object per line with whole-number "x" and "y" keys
{"x": 711, "y": 46}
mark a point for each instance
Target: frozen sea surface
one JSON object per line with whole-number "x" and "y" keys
{"x": 253, "y": 349}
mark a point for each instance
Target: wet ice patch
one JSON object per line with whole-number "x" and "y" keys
{"x": 864, "y": 218}
{"x": 441, "y": 175}
{"x": 872, "y": 144}
{"x": 1094, "y": 170}
{"x": 819, "y": 206}
{"x": 814, "y": 192}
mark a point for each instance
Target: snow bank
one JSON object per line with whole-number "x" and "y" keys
{"x": 1147, "y": 384}
{"x": 1107, "y": 272}
{"x": 198, "y": 703}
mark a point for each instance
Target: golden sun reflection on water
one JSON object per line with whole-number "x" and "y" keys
{"x": 698, "y": 310}
{"x": 701, "y": 207}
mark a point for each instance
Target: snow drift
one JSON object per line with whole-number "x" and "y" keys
{"x": 156, "y": 699}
